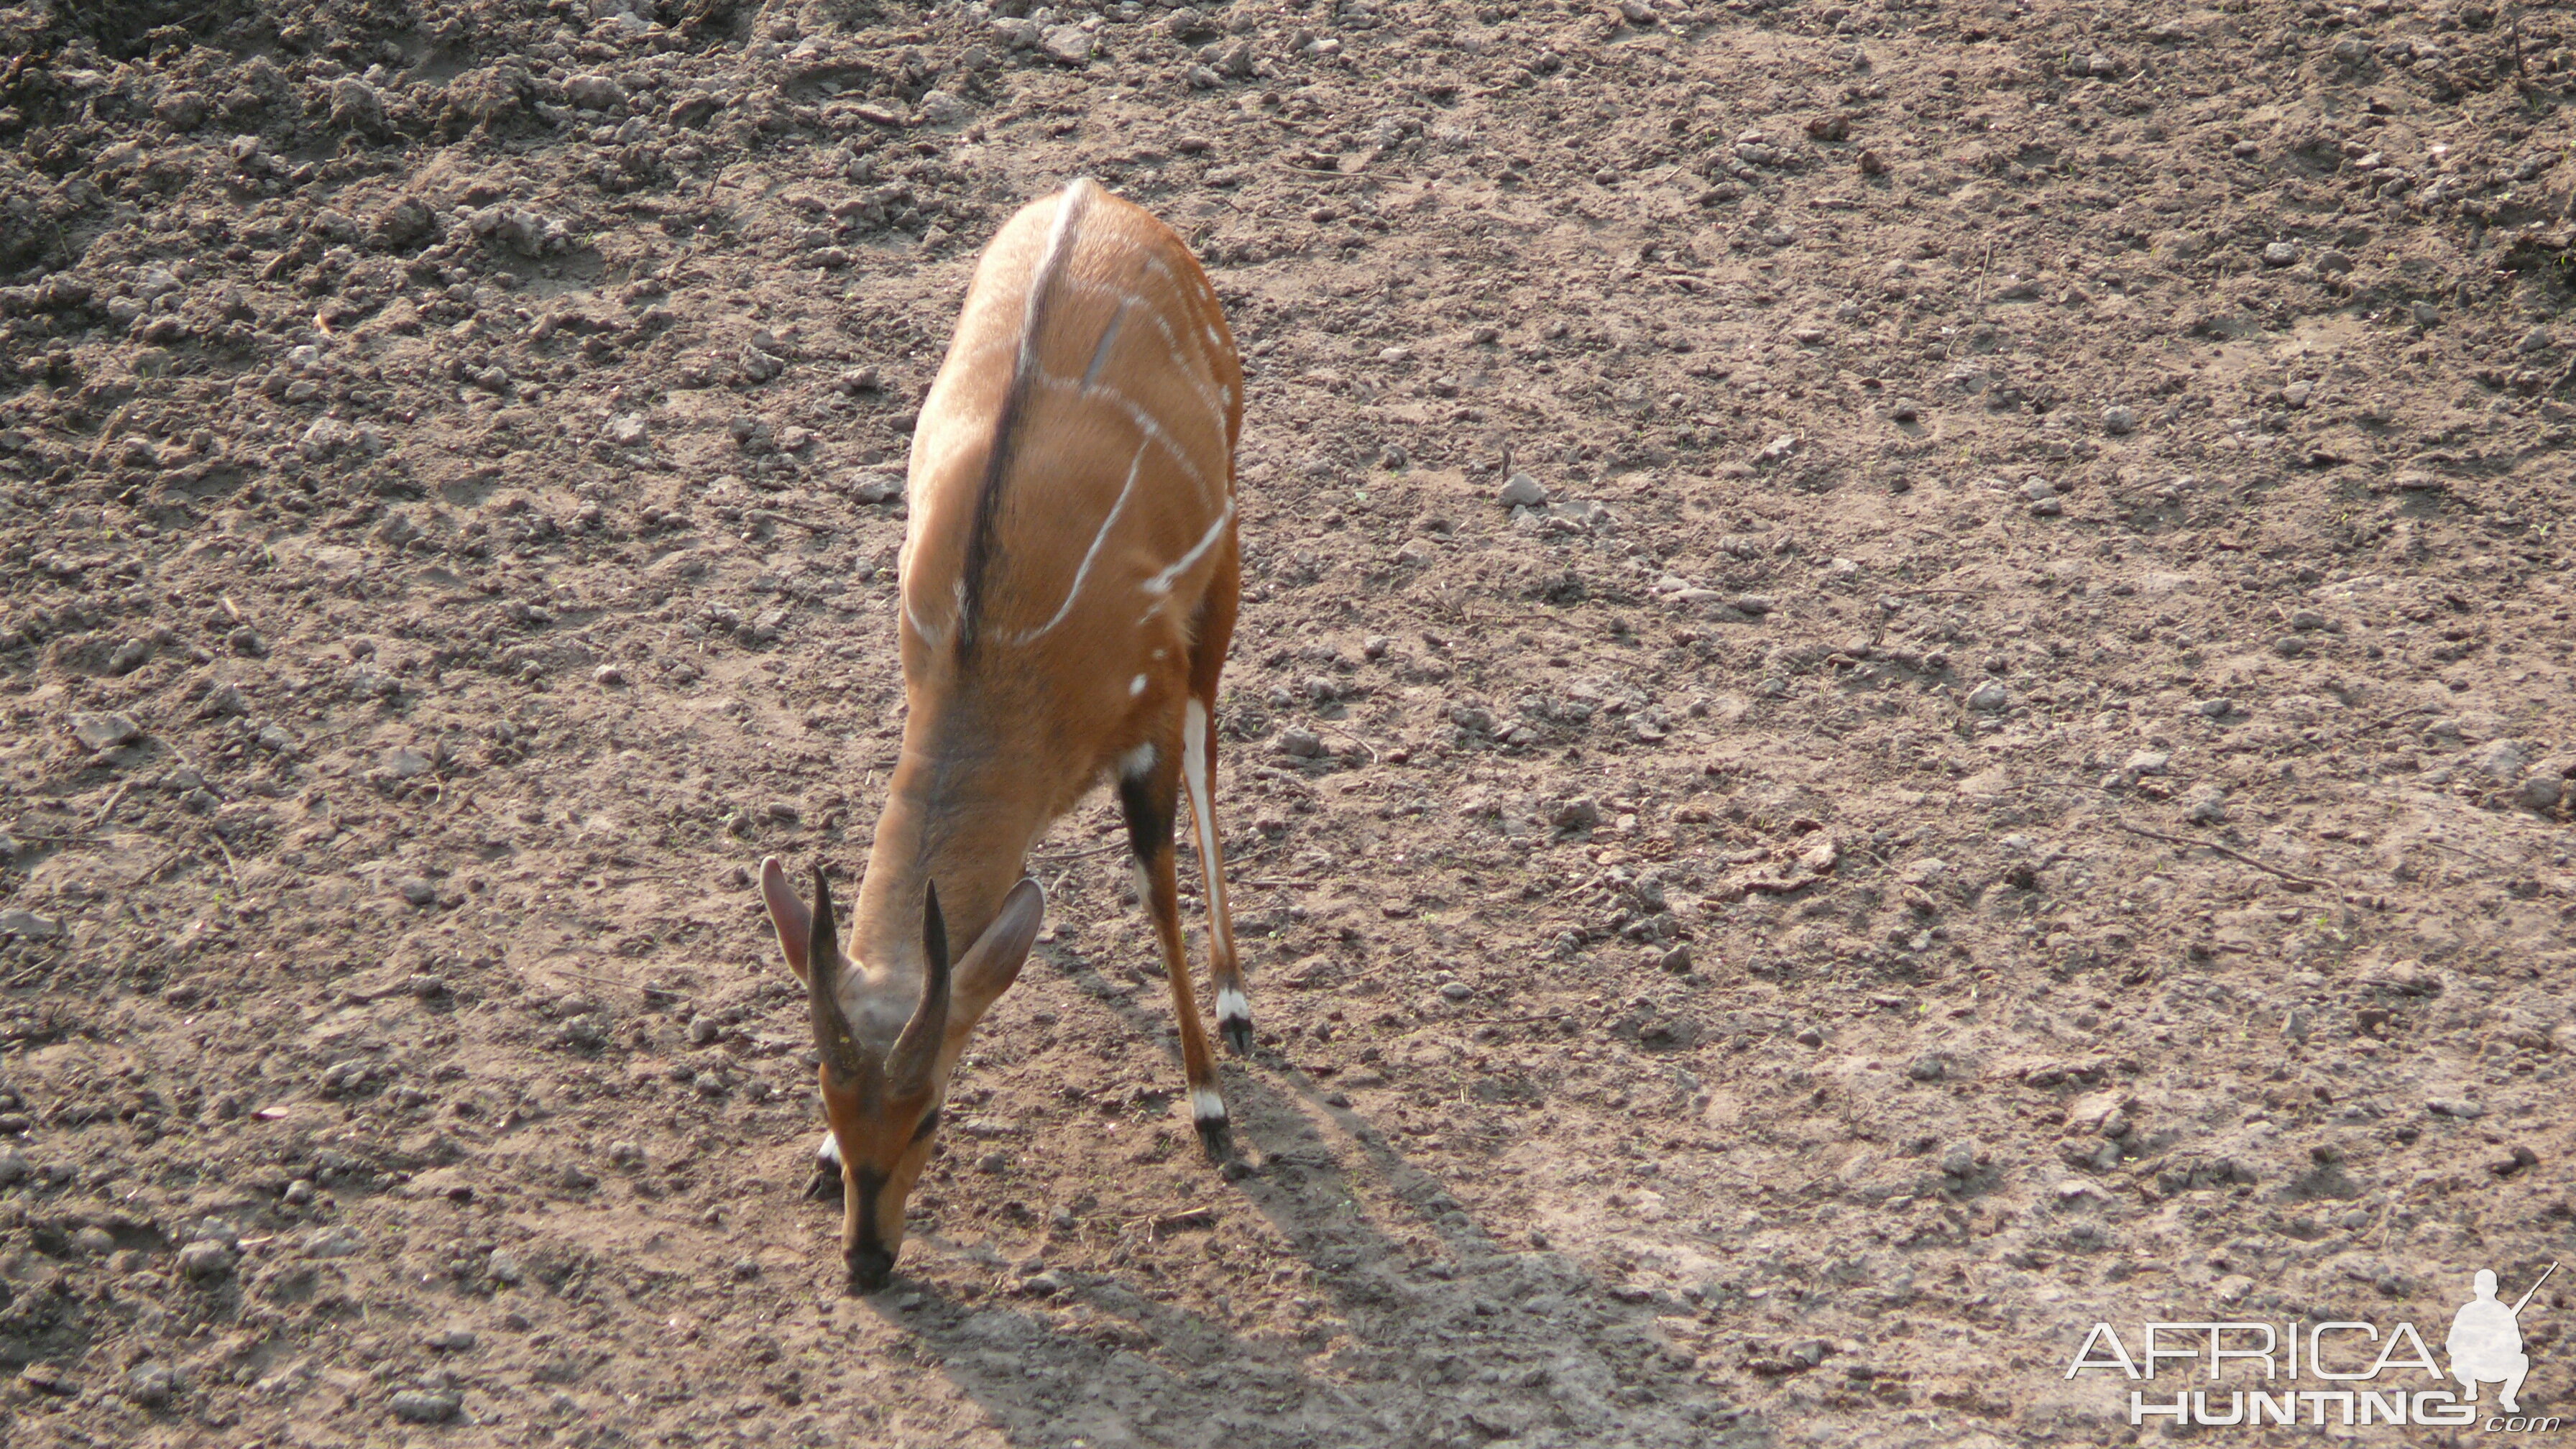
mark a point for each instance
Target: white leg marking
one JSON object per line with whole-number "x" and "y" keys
{"x": 1232, "y": 1005}
{"x": 1162, "y": 583}
{"x": 1206, "y": 1105}
{"x": 829, "y": 1153}
{"x": 1194, "y": 723}
{"x": 1135, "y": 686}
{"x": 1137, "y": 763}
{"x": 1083, "y": 571}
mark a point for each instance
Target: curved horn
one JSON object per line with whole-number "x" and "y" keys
{"x": 916, "y": 1052}
{"x": 842, "y": 1058}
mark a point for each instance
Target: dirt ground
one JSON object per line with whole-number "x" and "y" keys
{"x": 2012, "y": 769}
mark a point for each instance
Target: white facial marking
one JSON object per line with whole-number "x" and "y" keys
{"x": 1206, "y": 1105}
{"x": 1233, "y": 1005}
{"x": 1135, "y": 686}
{"x": 1194, "y": 755}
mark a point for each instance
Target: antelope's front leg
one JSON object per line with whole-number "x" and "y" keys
{"x": 1150, "y": 794}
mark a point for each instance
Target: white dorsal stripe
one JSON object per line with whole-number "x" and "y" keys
{"x": 1077, "y": 198}
{"x": 1162, "y": 583}
{"x": 1098, "y": 539}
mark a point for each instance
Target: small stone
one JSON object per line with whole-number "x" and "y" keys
{"x": 28, "y": 926}
{"x": 2146, "y": 762}
{"x": 224, "y": 700}
{"x": 1456, "y": 991}
{"x": 2207, "y": 805}
{"x": 2216, "y": 708}
{"x": 1677, "y": 960}
{"x": 1990, "y": 696}
{"x": 356, "y": 106}
{"x": 993, "y": 1162}
{"x": 2333, "y": 263}
{"x": 2463, "y": 1108}
{"x": 1067, "y": 45}
{"x": 423, "y": 1406}
{"x": 1299, "y": 743}
{"x": 941, "y": 108}
{"x": 103, "y": 732}
{"x": 417, "y": 890}
{"x": 1524, "y": 491}
{"x": 504, "y": 1266}
{"x": 2537, "y": 340}
{"x": 625, "y": 1153}
{"x": 2289, "y": 646}
{"x": 1580, "y": 813}
{"x": 2541, "y": 792}
{"x": 1755, "y": 604}
{"x": 626, "y": 430}
{"x": 594, "y": 92}
{"x": 246, "y": 640}
{"x": 206, "y": 1259}
{"x": 151, "y": 1385}
{"x": 609, "y": 675}
{"x": 1810, "y": 1037}
{"x": 2426, "y": 314}
{"x": 1905, "y": 410}
{"x": 1960, "y": 1159}
{"x": 94, "y": 1241}
{"x": 13, "y": 1169}
{"x": 1927, "y": 1068}
{"x": 2120, "y": 419}
{"x": 2280, "y": 254}
{"x": 454, "y": 1338}
{"x": 2502, "y": 761}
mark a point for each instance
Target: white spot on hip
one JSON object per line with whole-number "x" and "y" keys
{"x": 1135, "y": 686}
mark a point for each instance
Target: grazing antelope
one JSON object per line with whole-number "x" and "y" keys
{"x": 1068, "y": 587}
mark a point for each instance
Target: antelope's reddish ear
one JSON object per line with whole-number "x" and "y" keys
{"x": 794, "y": 923}
{"x": 994, "y": 961}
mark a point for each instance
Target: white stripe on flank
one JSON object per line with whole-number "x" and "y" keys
{"x": 1097, "y": 539}
{"x": 1108, "y": 340}
{"x": 1233, "y": 1005}
{"x": 1194, "y": 755}
{"x": 1206, "y": 1105}
{"x": 1059, "y": 238}
{"x": 1162, "y": 583}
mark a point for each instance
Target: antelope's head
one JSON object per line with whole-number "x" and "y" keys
{"x": 887, "y": 1051}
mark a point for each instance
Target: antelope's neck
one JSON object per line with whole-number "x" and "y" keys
{"x": 962, "y": 811}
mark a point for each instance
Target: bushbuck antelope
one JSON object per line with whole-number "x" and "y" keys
{"x": 1069, "y": 579}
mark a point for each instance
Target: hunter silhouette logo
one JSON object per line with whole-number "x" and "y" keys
{"x": 2345, "y": 1373}
{"x": 2486, "y": 1341}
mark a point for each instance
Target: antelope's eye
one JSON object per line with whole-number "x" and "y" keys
{"x": 929, "y": 1124}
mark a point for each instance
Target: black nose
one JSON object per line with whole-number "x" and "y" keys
{"x": 870, "y": 1267}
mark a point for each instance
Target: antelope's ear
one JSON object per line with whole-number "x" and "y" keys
{"x": 994, "y": 961}
{"x": 794, "y": 923}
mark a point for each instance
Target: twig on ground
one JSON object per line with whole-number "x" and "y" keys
{"x": 2229, "y": 852}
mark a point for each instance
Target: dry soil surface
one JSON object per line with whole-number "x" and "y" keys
{"x": 2010, "y": 771}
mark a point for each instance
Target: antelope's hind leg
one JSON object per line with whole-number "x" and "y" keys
{"x": 1198, "y": 767}
{"x": 1149, "y": 793}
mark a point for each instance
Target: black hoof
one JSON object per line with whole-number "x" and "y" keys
{"x": 824, "y": 1185}
{"x": 1216, "y": 1140}
{"x": 1238, "y": 1035}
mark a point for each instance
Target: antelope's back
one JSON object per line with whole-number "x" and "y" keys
{"x": 1073, "y": 464}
